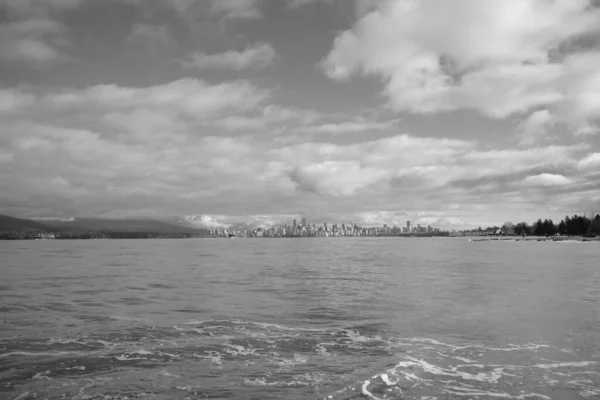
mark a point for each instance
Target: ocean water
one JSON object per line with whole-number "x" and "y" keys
{"x": 327, "y": 318}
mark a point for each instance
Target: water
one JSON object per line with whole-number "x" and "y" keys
{"x": 335, "y": 318}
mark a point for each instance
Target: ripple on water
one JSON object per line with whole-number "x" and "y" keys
{"x": 289, "y": 361}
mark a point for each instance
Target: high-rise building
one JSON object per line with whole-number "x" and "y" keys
{"x": 303, "y": 221}
{"x": 294, "y": 223}
{"x": 408, "y": 226}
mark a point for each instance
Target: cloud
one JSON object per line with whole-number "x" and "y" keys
{"x": 256, "y": 56}
{"x": 28, "y": 8}
{"x": 237, "y": 9}
{"x": 499, "y": 58}
{"x": 335, "y": 178}
{"x": 194, "y": 97}
{"x": 206, "y": 221}
{"x": 547, "y": 180}
{"x": 534, "y": 127}
{"x": 33, "y": 42}
{"x": 269, "y": 115}
{"x": 164, "y": 150}
{"x": 349, "y": 127}
{"x": 152, "y": 36}
{"x": 590, "y": 162}
{"x": 300, "y": 3}
{"x": 12, "y": 100}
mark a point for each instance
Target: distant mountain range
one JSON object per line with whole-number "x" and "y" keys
{"x": 18, "y": 224}
{"x": 95, "y": 225}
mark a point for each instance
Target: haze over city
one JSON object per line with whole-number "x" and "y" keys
{"x": 452, "y": 114}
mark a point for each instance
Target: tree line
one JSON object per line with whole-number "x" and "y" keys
{"x": 577, "y": 225}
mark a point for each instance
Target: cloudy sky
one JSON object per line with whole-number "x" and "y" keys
{"x": 460, "y": 112}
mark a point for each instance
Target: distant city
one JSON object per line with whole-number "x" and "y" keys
{"x": 303, "y": 228}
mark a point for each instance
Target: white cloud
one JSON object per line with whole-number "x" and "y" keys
{"x": 546, "y": 179}
{"x": 592, "y": 161}
{"x": 206, "y": 221}
{"x": 336, "y": 178}
{"x": 500, "y": 58}
{"x": 534, "y": 127}
{"x": 256, "y": 56}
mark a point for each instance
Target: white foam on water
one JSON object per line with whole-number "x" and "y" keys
{"x": 214, "y": 356}
{"x": 322, "y": 350}
{"x": 235, "y": 350}
{"x": 463, "y": 359}
{"x": 164, "y": 372}
{"x": 509, "y": 347}
{"x": 263, "y": 382}
{"x": 386, "y": 379}
{"x": 490, "y": 377}
{"x": 461, "y": 392}
{"x": 357, "y": 337}
{"x": 565, "y": 364}
{"x": 161, "y": 353}
{"x": 26, "y": 395}
{"x": 142, "y": 352}
{"x": 125, "y": 357}
{"x": 41, "y": 375}
{"x": 287, "y": 363}
{"x": 365, "y": 390}
{"x": 590, "y": 393}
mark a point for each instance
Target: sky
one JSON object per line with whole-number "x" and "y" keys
{"x": 451, "y": 113}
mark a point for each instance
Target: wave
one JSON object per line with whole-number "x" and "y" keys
{"x": 333, "y": 363}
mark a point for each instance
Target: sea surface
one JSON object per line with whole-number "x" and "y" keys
{"x": 323, "y": 318}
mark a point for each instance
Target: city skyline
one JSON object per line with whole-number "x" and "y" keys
{"x": 251, "y": 111}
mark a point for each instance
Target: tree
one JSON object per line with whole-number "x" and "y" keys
{"x": 538, "y": 228}
{"x": 595, "y": 225}
{"x": 522, "y": 229}
{"x": 562, "y": 227}
{"x": 508, "y": 228}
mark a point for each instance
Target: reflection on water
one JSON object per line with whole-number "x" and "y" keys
{"x": 328, "y": 318}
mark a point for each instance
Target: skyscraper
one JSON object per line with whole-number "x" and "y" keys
{"x": 408, "y": 226}
{"x": 303, "y": 221}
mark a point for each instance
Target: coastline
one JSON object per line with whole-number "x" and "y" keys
{"x": 537, "y": 239}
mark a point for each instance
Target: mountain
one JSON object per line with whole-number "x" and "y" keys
{"x": 19, "y": 224}
{"x": 120, "y": 225}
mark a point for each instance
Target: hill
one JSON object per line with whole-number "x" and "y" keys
{"x": 120, "y": 225}
{"x": 19, "y": 224}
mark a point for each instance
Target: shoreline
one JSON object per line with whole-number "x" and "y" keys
{"x": 538, "y": 239}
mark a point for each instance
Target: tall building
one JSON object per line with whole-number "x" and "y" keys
{"x": 408, "y": 226}
{"x": 303, "y": 221}
{"x": 294, "y": 223}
